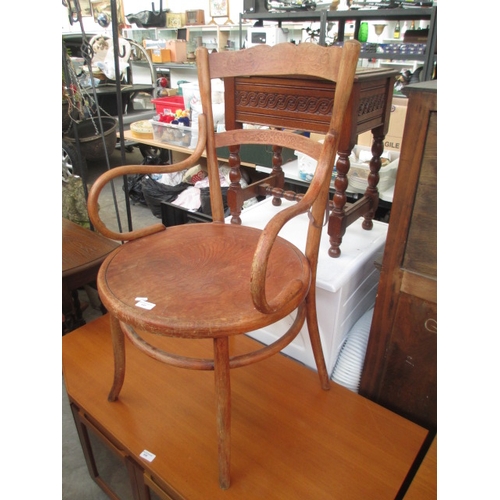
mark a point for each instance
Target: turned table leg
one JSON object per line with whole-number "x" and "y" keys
{"x": 235, "y": 193}
{"x": 373, "y": 178}
{"x": 337, "y": 220}
{"x": 277, "y": 162}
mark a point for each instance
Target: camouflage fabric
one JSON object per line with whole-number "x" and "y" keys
{"x": 74, "y": 206}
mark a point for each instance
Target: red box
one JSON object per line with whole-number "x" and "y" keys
{"x": 166, "y": 104}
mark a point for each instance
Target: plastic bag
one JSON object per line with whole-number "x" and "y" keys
{"x": 155, "y": 192}
{"x": 134, "y": 182}
{"x": 135, "y": 189}
{"x": 149, "y": 19}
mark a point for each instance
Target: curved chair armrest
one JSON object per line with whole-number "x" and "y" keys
{"x": 315, "y": 193}
{"x": 93, "y": 198}
{"x": 261, "y": 258}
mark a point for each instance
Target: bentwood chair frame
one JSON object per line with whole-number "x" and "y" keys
{"x": 240, "y": 278}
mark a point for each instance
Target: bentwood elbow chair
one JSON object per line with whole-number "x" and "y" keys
{"x": 240, "y": 278}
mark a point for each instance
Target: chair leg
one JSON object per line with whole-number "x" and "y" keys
{"x": 118, "y": 340}
{"x": 223, "y": 401}
{"x": 312, "y": 326}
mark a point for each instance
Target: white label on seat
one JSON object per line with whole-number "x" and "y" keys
{"x": 145, "y": 305}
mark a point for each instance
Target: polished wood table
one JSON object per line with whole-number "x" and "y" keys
{"x": 83, "y": 252}
{"x": 290, "y": 438}
{"x": 306, "y": 104}
{"x": 129, "y": 136}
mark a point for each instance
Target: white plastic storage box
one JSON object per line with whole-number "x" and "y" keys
{"x": 345, "y": 287}
{"x": 176, "y": 135}
{"x": 360, "y": 168}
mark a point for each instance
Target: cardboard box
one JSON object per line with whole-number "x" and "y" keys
{"x": 394, "y": 136}
{"x": 161, "y": 55}
{"x": 178, "y": 50}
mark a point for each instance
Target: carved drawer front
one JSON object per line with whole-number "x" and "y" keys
{"x": 305, "y": 104}
{"x": 296, "y": 104}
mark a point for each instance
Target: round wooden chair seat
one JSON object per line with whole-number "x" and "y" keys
{"x": 194, "y": 275}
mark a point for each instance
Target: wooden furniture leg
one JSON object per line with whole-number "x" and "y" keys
{"x": 235, "y": 193}
{"x": 278, "y": 171}
{"x": 338, "y": 223}
{"x": 373, "y": 178}
{"x": 312, "y": 327}
{"x": 236, "y": 196}
{"x": 118, "y": 339}
{"x": 344, "y": 214}
{"x": 223, "y": 401}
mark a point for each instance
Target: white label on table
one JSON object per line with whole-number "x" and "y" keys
{"x": 147, "y": 455}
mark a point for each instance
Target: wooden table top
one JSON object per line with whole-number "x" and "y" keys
{"x": 424, "y": 484}
{"x": 290, "y": 439}
{"x": 82, "y": 248}
{"x": 129, "y": 136}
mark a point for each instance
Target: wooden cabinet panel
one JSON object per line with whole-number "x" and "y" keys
{"x": 400, "y": 365}
{"x": 410, "y": 373}
{"x": 421, "y": 248}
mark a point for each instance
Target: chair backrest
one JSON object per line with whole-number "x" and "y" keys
{"x": 330, "y": 70}
{"x": 247, "y": 75}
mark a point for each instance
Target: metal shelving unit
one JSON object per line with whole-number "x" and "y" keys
{"x": 324, "y": 17}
